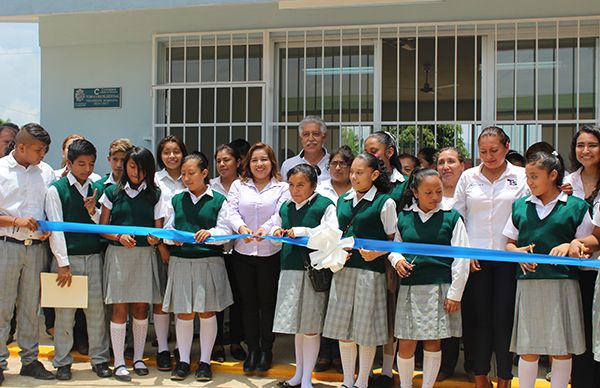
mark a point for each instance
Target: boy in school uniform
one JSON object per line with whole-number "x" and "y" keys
{"x": 24, "y": 180}
{"x": 72, "y": 199}
{"x": 116, "y": 155}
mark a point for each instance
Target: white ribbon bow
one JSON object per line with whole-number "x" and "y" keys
{"x": 329, "y": 246}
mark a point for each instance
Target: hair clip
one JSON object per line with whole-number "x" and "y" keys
{"x": 554, "y": 153}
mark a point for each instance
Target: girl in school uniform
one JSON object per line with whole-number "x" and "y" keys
{"x": 339, "y": 184}
{"x": 198, "y": 282}
{"x": 130, "y": 267}
{"x": 430, "y": 288}
{"x": 228, "y": 162}
{"x": 300, "y": 310}
{"x": 170, "y": 152}
{"x": 383, "y": 146}
{"x": 357, "y": 312}
{"x": 484, "y": 197}
{"x": 585, "y": 183}
{"x": 548, "y": 312}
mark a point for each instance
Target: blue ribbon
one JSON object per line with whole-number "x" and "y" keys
{"x": 376, "y": 245}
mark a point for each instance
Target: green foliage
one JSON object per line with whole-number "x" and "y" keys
{"x": 426, "y": 138}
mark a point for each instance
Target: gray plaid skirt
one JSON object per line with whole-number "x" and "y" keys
{"x": 357, "y": 307}
{"x": 300, "y": 309}
{"x": 548, "y": 318}
{"x": 131, "y": 275}
{"x": 420, "y": 313}
{"x": 197, "y": 285}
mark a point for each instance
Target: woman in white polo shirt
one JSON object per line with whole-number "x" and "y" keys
{"x": 484, "y": 196}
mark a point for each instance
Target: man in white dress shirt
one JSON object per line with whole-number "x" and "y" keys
{"x": 313, "y": 132}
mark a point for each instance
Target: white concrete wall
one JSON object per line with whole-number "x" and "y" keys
{"x": 114, "y": 49}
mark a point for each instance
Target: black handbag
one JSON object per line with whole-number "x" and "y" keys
{"x": 319, "y": 278}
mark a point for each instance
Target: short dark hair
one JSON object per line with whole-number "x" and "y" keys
{"x": 382, "y": 183}
{"x": 495, "y": 131}
{"x": 548, "y": 162}
{"x": 80, "y": 147}
{"x": 163, "y": 143}
{"x": 344, "y": 152}
{"x": 10, "y": 126}
{"x": 514, "y": 157}
{"x": 201, "y": 161}
{"x": 35, "y": 131}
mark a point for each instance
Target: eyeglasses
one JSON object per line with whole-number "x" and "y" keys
{"x": 307, "y": 135}
{"x": 339, "y": 164}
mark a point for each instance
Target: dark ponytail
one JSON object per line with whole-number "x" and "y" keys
{"x": 382, "y": 183}
{"x": 417, "y": 176}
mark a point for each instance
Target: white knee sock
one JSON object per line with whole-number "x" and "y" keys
{"x": 184, "y": 330}
{"x": 161, "y": 328}
{"x": 348, "y": 356}
{"x": 431, "y": 367}
{"x": 406, "y": 368}
{"x": 299, "y": 350}
{"x": 388, "y": 359}
{"x": 140, "y": 330}
{"x": 310, "y": 352}
{"x": 528, "y": 373}
{"x": 208, "y": 335}
{"x": 366, "y": 354}
{"x": 561, "y": 373}
{"x": 117, "y": 337}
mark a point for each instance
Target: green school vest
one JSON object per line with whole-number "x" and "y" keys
{"x": 309, "y": 216}
{"x": 127, "y": 211}
{"x": 397, "y": 192}
{"x": 557, "y": 228}
{"x": 73, "y": 210}
{"x": 192, "y": 217}
{"x": 437, "y": 230}
{"x": 366, "y": 224}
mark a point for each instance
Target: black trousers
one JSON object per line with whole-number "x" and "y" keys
{"x": 257, "y": 279}
{"x": 236, "y": 328}
{"x": 586, "y": 371}
{"x": 488, "y": 310}
{"x": 450, "y": 351}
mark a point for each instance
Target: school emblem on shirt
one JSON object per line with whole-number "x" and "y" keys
{"x": 511, "y": 183}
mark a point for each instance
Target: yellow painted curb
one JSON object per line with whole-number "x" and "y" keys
{"x": 278, "y": 371}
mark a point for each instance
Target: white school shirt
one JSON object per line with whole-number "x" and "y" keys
{"x": 217, "y": 186}
{"x": 460, "y": 267}
{"x": 23, "y": 193}
{"x": 396, "y": 176}
{"x": 388, "y": 215}
{"x": 575, "y": 180}
{"x": 583, "y": 230}
{"x": 132, "y": 193}
{"x": 54, "y": 212}
{"x": 325, "y": 188}
{"x": 329, "y": 218}
{"x": 167, "y": 185}
{"x": 486, "y": 206}
{"x": 288, "y": 164}
{"x": 59, "y": 174}
{"x": 220, "y": 229}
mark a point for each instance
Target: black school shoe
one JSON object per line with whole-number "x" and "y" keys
{"x": 265, "y": 361}
{"x": 37, "y": 371}
{"x": 218, "y": 354}
{"x": 251, "y": 361}
{"x": 102, "y": 370}
{"x": 1, "y": 376}
{"x": 181, "y": 371}
{"x": 64, "y": 373}
{"x": 163, "y": 361}
{"x": 203, "y": 373}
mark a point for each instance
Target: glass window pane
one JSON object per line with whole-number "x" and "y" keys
{"x": 547, "y": 77}
{"x": 208, "y": 64}
{"x": 176, "y": 64}
{"x": 566, "y": 79}
{"x": 192, "y": 70}
{"x": 191, "y": 105}
{"x": 223, "y": 63}
{"x": 505, "y": 84}
{"x": 255, "y": 105}
{"x": 207, "y": 146}
{"x": 238, "y": 105}
{"x": 223, "y": 105}
{"x": 445, "y": 79}
{"x": 191, "y": 139}
{"x": 255, "y": 54}
{"x": 176, "y": 101}
{"x": 525, "y": 79}
{"x": 587, "y": 77}
{"x": 239, "y": 63}
{"x": 176, "y": 131}
{"x": 207, "y": 112}
{"x": 222, "y": 137}
{"x": 254, "y": 134}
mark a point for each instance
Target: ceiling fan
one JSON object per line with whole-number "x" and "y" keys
{"x": 427, "y": 87}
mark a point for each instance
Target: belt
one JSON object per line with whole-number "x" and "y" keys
{"x": 26, "y": 242}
